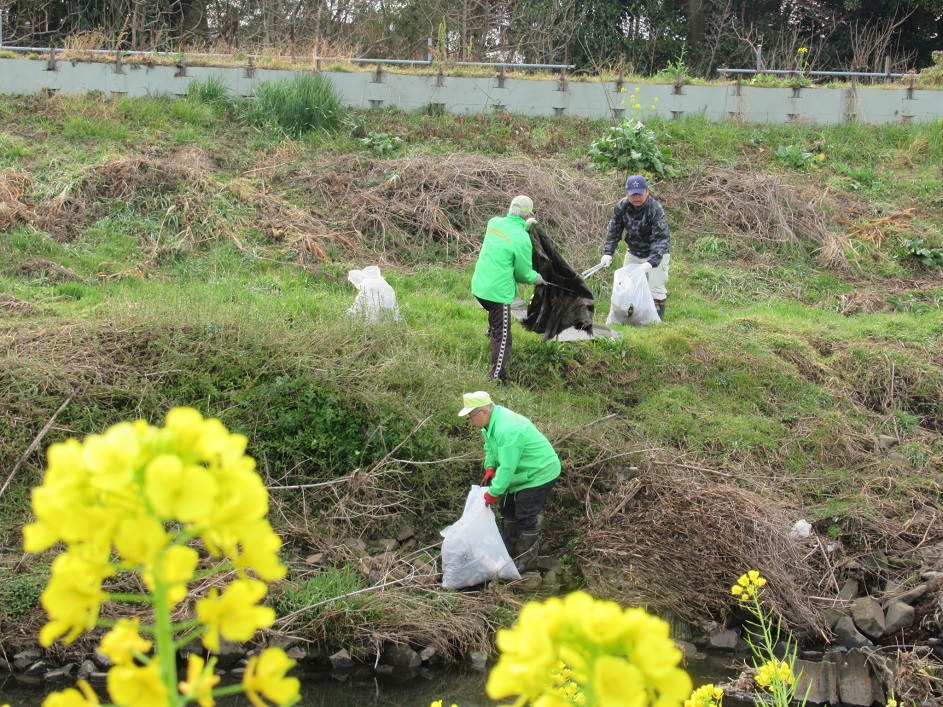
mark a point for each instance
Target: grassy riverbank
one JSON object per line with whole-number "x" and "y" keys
{"x": 159, "y": 253}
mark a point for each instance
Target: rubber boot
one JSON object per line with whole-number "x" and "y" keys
{"x": 660, "y": 308}
{"x": 530, "y": 546}
{"x": 511, "y": 535}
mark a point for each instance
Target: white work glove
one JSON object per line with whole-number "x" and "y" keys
{"x": 540, "y": 280}
{"x": 529, "y": 222}
{"x": 606, "y": 261}
{"x": 645, "y": 267}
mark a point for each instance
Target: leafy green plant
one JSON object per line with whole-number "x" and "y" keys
{"x": 674, "y": 70}
{"x": 794, "y": 156}
{"x": 381, "y": 144}
{"x": 916, "y": 248}
{"x": 308, "y": 102}
{"x": 631, "y": 147}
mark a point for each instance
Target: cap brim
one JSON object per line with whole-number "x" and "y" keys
{"x": 464, "y": 411}
{"x": 633, "y": 192}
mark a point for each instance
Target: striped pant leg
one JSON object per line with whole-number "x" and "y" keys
{"x": 499, "y": 330}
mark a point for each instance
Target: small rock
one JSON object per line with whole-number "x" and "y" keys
{"x": 430, "y": 656}
{"x": 909, "y": 597}
{"x": 401, "y": 656}
{"x": 887, "y": 441}
{"x": 847, "y": 634}
{"x": 388, "y": 544}
{"x": 854, "y": 680}
{"x": 833, "y": 615}
{"x": 549, "y": 564}
{"x": 478, "y": 661}
{"x": 820, "y": 678}
{"x": 341, "y": 661}
{"x": 405, "y": 533}
{"x": 86, "y": 669}
{"x": 899, "y": 616}
{"x": 315, "y": 559}
{"x": 849, "y": 590}
{"x": 102, "y": 661}
{"x": 355, "y": 544}
{"x": 40, "y": 667}
{"x": 868, "y": 617}
{"x": 384, "y": 669}
{"x": 723, "y": 639}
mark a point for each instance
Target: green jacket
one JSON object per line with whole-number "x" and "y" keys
{"x": 521, "y": 455}
{"x": 505, "y": 259}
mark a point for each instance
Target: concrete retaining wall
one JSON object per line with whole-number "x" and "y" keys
{"x": 547, "y": 97}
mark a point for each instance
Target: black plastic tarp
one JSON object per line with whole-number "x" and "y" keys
{"x": 565, "y": 302}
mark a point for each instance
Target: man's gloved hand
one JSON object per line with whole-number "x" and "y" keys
{"x": 606, "y": 261}
{"x": 489, "y": 499}
{"x": 529, "y": 222}
{"x": 489, "y": 474}
{"x": 646, "y": 267}
{"x": 540, "y": 280}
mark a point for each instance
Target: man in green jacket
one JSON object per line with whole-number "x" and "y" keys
{"x": 504, "y": 261}
{"x": 522, "y": 468}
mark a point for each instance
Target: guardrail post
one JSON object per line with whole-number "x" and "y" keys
{"x": 887, "y": 69}
{"x": 739, "y": 87}
{"x": 620, "y": 82}
{"x": 679, "y": 81}
{"x": 910, "y": 89}
{"x": 181, "y": 67}
{"x": 562, "y": 83}
{"x": 440, "y": 78}
{"x": 118, "y": 69}
{"x": 51, "y": 65}
{"x": 378, "y": 75}
{"x": 250, "y": 68}
{"x": 501, "y": 76}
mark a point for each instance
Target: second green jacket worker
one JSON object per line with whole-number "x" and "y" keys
{"x": 522, "y": 457}
{"x": 505, "y": 260}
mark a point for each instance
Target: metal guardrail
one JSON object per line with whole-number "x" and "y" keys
{"x": 793, "y": 72}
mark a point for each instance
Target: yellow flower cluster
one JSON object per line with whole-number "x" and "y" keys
{"x": 748, "y": 585}
{"x": 562, "y": 683}
{"x": 772, "y": 672}
{"x": 634, "y": 99}
{"x": 614, "y": 656}
{"x": 133, "y": 498}
{"x": 705, "y": 696}
{"x": 142, "y": 492}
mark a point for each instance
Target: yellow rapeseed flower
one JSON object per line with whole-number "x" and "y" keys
{"x": 265, "y": 676}
{"x": 747, "y": 585}
{"x": 200, "y": 681}
{"x": 234, "y": 614}
{"x": 772, "y": 672}
{"x": 705, "y": 696}
{"x": 174, "y": 570}
{"x": 73, "y": 597}
{"x": 83, "y": 697}
{"x": 137, "y": 686}
{"x": 123, "y": 643}
{"x": 604, "y": 649}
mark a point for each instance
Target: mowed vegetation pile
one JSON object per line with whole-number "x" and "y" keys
{"x": 158, "y": 253}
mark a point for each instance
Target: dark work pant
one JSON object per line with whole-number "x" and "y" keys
{"x": 524, "y": 505}
{"x": 499, "y": 332}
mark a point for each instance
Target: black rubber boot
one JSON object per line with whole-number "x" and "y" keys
{"x": 511, "y": 535}
{"x": 660, "y": 308}
{"x": 530, "y": 546}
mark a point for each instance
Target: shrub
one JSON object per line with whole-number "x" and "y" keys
{"x": 308, "y": 102}
{"x": 631, "y": 147}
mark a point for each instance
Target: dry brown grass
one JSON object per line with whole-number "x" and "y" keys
{"x": 676, "y": 539}
{"x": 401, "y": 209}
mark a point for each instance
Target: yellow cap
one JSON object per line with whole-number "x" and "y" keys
{"x": 474, "y": 400}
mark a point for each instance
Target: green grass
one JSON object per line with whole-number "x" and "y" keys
{"x": 181, "y": 298}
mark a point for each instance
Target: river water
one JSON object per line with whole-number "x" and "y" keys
{"x": 466, "y": 689}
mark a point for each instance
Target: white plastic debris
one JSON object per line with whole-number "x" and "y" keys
{"x": 802, "y": 529}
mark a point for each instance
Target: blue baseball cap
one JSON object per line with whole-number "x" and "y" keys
{"x": 636, "y": 184}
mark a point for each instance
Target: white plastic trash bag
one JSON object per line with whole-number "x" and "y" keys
{"x": 632, "y": 301}
{"x": 472, "y": 550}
{"x": 375, "y": 297}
